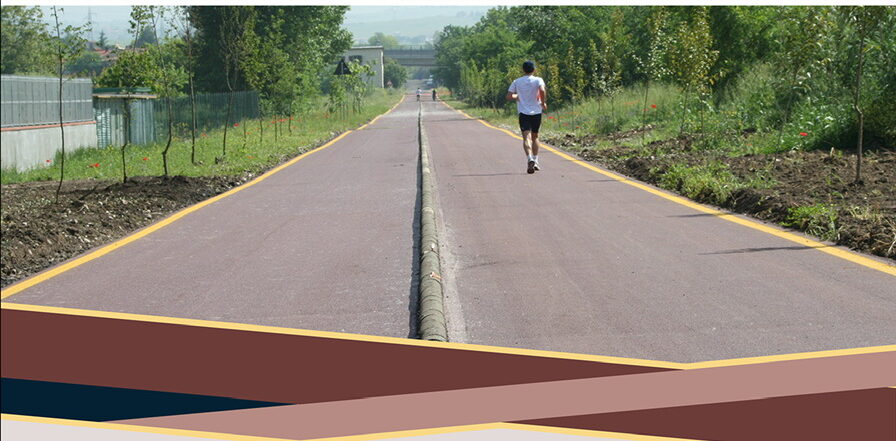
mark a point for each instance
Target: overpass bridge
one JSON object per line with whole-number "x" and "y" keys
{"x": 412, "y": 57}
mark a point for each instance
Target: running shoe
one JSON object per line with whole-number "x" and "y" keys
{"x": 531, "y": 168}
{"x": 537, "y": 167}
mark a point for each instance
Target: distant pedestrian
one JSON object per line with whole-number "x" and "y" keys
{"x": 435, "y": 95}
{"x": 389, "y": 84}
{"x": 419, "y": 91}
{"x": 531, "y": 100}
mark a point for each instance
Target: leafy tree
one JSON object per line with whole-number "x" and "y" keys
{"x": 180, "y": 20}
{"x": 270, "y": 71}
{"x": 26, "y": 42}
{"x": 89, "y": 64}
{"x": 386, "y": 41}
{"x": 172, "y": 77}
{"x": 611, "y": 53}
{"x": 690, "y": 59}
{"x": 312, "y": 37}
{"x": 742, "y": 35}
{"x": 801, "y": 39}
{"x": 133, "y": 69}
{"x": 238, "y": 41}
{"x": 865, "y": 21}
{"x": 449, "y": 48}
{"x": 394, "y": 73}
{"x": 103, "y": 42}
{"x": 66, "y": 49}
{"x": 146, "y": 35}
{"x": 654, "y": 64}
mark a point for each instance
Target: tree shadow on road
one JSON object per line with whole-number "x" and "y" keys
{"x": 761, "y": 249}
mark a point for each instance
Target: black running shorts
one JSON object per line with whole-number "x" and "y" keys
{"x": 530, "y": 123}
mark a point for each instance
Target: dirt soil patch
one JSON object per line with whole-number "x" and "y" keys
{"x": 865, "y": 214}
{"x": 38, "y": 233}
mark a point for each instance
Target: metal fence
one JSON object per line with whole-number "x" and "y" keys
{"x": 149, "y": 117}
{"x": 34, "y": 101}
{"x": 110, "y": 119}
{"x": 211, "y": 112}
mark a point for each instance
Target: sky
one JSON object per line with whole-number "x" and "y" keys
{"x": 406, "y": 22}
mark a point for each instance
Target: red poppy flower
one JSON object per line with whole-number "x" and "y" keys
{"x": 145, "y": 158}
{"x": 49, "y": 161}
{"x": 804, "y": 134}
{"x": 653, "y": 106}
{"x": 236, "y": 124}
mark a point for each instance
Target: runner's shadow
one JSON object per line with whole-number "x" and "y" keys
{"x": 757, "y": 250}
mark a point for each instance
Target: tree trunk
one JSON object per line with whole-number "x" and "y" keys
{"x": 858, "y": 95}
{"x": 193, "y": 127}
{"x": 170, "y": 136}
{"x": 127, "y": 138}
{"x": 684, "y": 112}
{"x": 227, "y": 123}
{"x": 644, "y": 112}
{"x": 61, "y": 128}
{"x": 61, "y": 125}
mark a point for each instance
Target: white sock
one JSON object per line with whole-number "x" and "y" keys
{"x": 531, "y": 158}
{"x": 535, "y": 158}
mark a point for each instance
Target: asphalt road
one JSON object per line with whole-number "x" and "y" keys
{"x": 564, "y": 260}
{"x": 325, "y": 244}
{"x": 570, "y": 260}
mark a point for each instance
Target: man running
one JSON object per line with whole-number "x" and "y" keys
{"x": 531, "y": 99}
{"x": 419, "y": 91}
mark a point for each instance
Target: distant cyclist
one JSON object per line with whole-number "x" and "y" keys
{"x": 419, "y": 91}
{"x": 531, "y": 100}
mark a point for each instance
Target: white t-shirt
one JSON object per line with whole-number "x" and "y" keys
{"x": 526, "y": 87}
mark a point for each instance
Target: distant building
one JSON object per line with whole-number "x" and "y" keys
{"x": 372, "y": 56}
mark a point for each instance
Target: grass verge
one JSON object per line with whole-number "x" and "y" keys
{"x": 252, "y": 145}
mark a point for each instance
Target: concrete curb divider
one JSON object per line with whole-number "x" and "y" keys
{"x": 431, "y": 312}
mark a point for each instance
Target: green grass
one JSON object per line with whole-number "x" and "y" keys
{"x": 619, "y": 112}
{"x": 712, "y": 182}
{"x": 819, "y": 220}
{"x": 246, "y": 148}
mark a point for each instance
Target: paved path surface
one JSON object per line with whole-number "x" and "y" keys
{"x": 571, "y": 260}
{"x": 325, "y": 244}
{"x": 565, "y": 260}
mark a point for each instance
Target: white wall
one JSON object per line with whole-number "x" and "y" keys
{"x": 372, "y": 55}
{"x": 24, "y": 149}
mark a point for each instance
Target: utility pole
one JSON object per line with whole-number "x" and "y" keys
{"x": 90, "y": 22}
